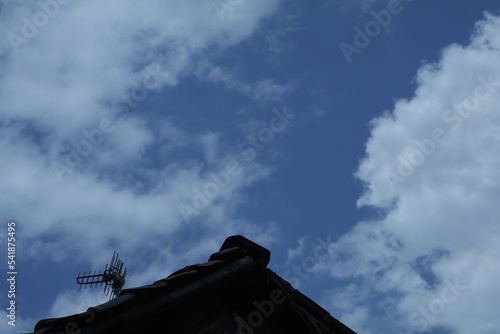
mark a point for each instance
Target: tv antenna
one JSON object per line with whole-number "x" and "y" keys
{"x": 112, "y": 277}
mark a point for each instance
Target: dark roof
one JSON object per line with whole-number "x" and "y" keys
{"x": 234, "y": 292}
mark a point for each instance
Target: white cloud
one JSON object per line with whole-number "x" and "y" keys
{"x": 433, "y": 259}
{"x": 94, "y": 62}
{"x": 66, "y": 304}
{"x": 70, "y": 69}
{"x": 298, "y": 251}
{"x": 129, "y": 139}
{"x": 209, "y": 142}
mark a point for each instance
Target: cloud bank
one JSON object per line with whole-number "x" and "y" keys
{"x": 431, "y": 171}
{"x": 76, "y": 135}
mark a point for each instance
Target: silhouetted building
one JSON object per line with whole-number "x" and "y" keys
{"x": 234, "y": 292}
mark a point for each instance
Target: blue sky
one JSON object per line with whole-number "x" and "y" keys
{"x": 357, "y": 140}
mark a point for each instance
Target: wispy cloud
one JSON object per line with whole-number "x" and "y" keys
{"x": 264, "y": 90}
